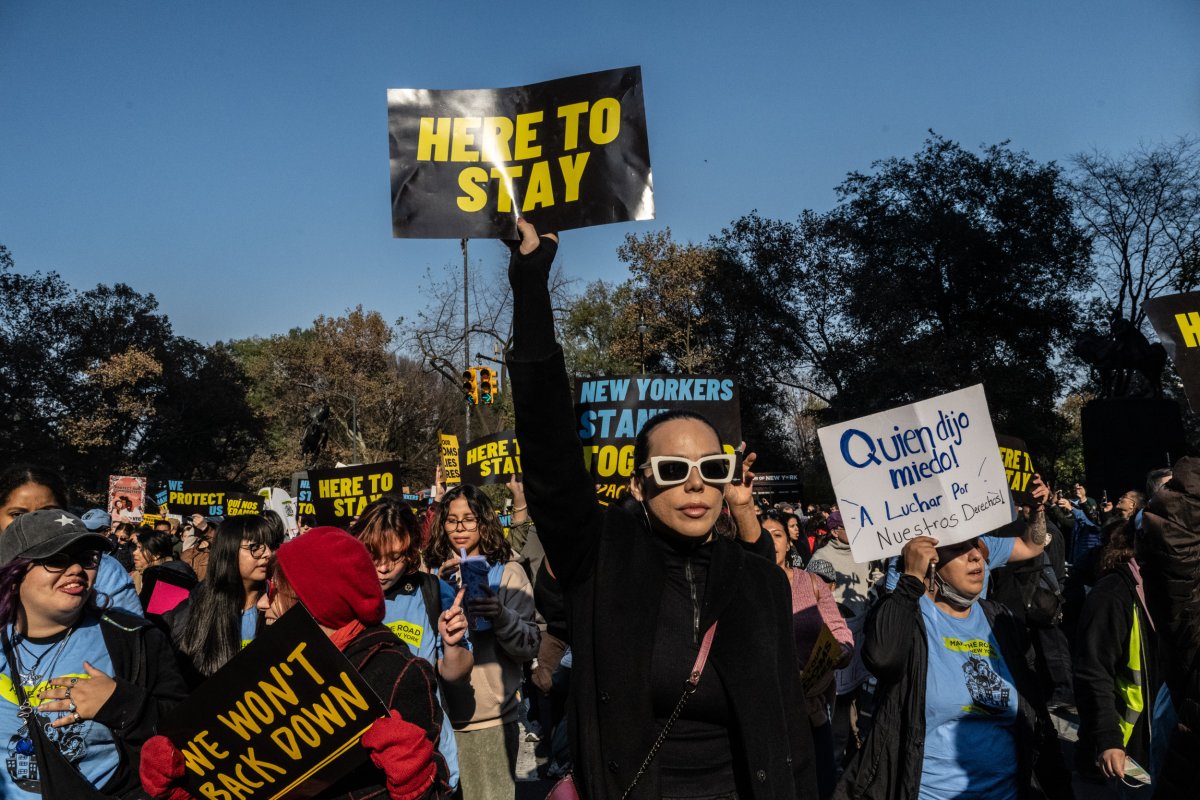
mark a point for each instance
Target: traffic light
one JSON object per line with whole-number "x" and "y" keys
{"x": 487, "y": 385}
{"x": 470, "y": 386}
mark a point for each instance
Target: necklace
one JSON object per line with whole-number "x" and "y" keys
{"x": 31, "y": 677}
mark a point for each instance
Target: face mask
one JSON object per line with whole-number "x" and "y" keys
{"x": 952, "y": 595}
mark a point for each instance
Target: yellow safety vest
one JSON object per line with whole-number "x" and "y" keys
{"x": 1129, "y": 689}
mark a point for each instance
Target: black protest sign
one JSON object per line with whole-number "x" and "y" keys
{"x": 1176, "y": 320}
{"x": 1018, "y": 468}
{"x": 340, "y": 494}
{"x": 490, "y": 459}
{"x": 282, "y": 719}
{"x": 776, "y": 482}
{"x": 563, "y": 154}
{"x": 241, "y": 505}
{"x": 187, "y": 497}
{"x": 610, "y": 412}
{"x": 302, "y": 491}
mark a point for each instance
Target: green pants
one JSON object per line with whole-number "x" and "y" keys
{"x": 487, "y": 762}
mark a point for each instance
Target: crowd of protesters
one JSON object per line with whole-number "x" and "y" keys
{"x": 654, "y": 648}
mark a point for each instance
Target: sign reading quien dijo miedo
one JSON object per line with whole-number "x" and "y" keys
{"x": 564, "y": 154}
{"x": 932, "y": 468}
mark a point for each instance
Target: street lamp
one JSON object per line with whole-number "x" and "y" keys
{"x": 641, "y": 329}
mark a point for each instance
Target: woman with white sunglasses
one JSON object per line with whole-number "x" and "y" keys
{"x": 654, "y": 596}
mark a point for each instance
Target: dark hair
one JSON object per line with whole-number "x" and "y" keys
{"x": 278, "y": 529}
{"x": 1154, "y": 477}
{"x": 492, "y": 543}
{"x": 128, "y": 527}
{"x": 1118, "y": 547}
{"x": 157, "y": 545}
{"x": 389, "y": 517}
{"x": 213, "y": 632}
{"x": 776, "y": 515}
{"x": 641, "y": 445}
{"x": 18, "y": 475}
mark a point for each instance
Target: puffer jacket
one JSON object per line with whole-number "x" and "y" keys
{"x": 1170, "y": 556}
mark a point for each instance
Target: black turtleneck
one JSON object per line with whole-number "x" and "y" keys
{"x": 696, "y": 760}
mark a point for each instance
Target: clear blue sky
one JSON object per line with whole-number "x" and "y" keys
{"x": 231, "y": 157}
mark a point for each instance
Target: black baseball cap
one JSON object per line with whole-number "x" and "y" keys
{"x": 41, "y": 534}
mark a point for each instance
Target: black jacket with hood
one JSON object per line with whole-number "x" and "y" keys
{"x": 896, "y": 651}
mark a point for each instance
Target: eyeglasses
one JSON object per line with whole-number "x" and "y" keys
{"x": 59, "y": 562}
{"x": 466, "y": 524}
{"x": 674, "y": 470}
{"x": 256, "y": 550}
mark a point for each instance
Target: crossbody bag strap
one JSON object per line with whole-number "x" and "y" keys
{"x": 693, "y": 681}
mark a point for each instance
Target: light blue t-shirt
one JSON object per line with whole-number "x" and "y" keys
{"x": 999, "y": 551}
{"x": 406, "y": 615}
{"x": 970, "y": 710}
{"x": 114, "y": 581}
{"x": 87, "y": 744}
{"x": 249, "y": 625}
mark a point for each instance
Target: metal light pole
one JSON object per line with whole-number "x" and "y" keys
{"x": 641, "y": 329}
{"x": 466, "y": 342}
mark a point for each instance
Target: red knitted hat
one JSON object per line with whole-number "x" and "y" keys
{"x": 333, "y": 575}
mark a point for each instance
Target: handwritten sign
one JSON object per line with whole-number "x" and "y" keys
{"x": 931, "y": 468}
{"x": 563, "y": 154}
{"x": 611, "y": 411}
{"x": 491, "y": 459}
{"x": 282, "y": 719}
{"x": 340, "y": 494}
{"x": 448, "y": 457}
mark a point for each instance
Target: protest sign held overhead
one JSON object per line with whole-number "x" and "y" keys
{"x": 282, "y": 719}
{"x": 563, "y": 154}
{"x": 187, "y": 497}
{"x": 491, "y": 459}
{"x": 611, "y": 411}
{"x": 448, "y": 458}
{"x": 340, "y": 494}
{"x": 302, "y": 491}
{"x": 931, "y": 468}
{"x": 1176, "y": 320}
{"x": 240, "y": 505}
{"x": 126, "y": 498}
{"x": 1018, "y": 468}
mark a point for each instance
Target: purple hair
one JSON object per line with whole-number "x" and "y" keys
{"x": 11, "y": 575}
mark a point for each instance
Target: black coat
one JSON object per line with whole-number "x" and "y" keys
{"x": 1170, "y": 557}
{"x": 613, "y": 574}
{"x": 896, "y": 651}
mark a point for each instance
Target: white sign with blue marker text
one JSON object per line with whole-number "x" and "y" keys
{"x": 931, "y": 468}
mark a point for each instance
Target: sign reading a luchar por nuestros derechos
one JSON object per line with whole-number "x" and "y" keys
{"x": 931, "y": 468}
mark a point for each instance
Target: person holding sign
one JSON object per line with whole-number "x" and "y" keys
{"x": 657, "y": 602}
{"x": 813, "y": 610}
{"x": 414, "y": 601}
{"x": 82, "y": 686}
{"x": 504, "y": 635}
{"x": 220, "y": 617}
{"x": 959, "y": 711}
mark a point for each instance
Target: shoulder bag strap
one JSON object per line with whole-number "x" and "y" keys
{"x": 693, "y": 681}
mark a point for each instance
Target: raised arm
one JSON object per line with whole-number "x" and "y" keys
{"x": 561, "y": 494}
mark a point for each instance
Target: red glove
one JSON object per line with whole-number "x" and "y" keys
{"x": 162, "y": 770}
{"x": 404, "y": 753}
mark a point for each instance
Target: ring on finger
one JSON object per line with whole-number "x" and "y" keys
{"x": 77, "y": 717}
{"x": 67, "y": 693}
{"x": 74, "y": 681}
{"x": 71, "y": 707}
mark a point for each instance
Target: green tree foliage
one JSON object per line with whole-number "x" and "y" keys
{"x": 382, "y": 406}
{"x": 94, "y": 383}
{"x": 934, "y": 272}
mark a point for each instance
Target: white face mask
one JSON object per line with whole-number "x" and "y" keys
{"x": 952, "y": 595}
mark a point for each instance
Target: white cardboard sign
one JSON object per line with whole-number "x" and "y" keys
{"x": 931, "y": 468}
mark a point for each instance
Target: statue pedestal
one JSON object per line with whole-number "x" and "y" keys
{"x": 1124, "y": 438}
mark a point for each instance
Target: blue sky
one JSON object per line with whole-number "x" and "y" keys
{"x": 231, "y": 157}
